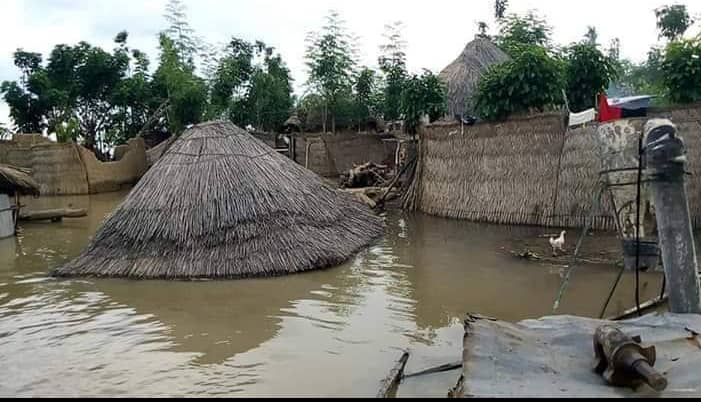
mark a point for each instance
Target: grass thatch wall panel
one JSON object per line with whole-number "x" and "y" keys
{"x": 500, "y": 173}
{"x": 578, "y": 182}
{"x": 112, "y": 176}
{"x": 506, "y": 172}
{"x": 222, "y": 204}
{"x": 58, "y": 169}
{"x": 154, "y": 153}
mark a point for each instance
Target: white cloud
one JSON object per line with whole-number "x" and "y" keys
{"x": 436, "y": 31}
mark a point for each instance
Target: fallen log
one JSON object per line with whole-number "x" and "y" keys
{"x": 394, "y": 376}
{"x": 52, "y": 214}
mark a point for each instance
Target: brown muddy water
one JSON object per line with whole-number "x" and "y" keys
{"x": 335, "y": 332}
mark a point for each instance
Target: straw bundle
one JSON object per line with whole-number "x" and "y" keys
{"x": 463, "y": 74}
{"x": 221, "y": 204}
{"x": 59, "y": 169}
{"x": 17, "y": 180}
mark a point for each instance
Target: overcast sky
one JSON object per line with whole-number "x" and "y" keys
{"x": 436, "y": 31}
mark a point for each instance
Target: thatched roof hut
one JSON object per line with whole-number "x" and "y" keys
{"x": 17, "y": 180}
{"x": 463, "y": 74}
{"x": 221, "y": 204}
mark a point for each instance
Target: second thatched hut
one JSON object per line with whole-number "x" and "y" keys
{"x": 463, "y": 74}
{"x": 220, "y": 204}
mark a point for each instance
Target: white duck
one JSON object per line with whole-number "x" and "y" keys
{"x": 559, "y": 243}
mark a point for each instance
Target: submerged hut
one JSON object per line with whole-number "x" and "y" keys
{"x": 220, "y": 204}
{"x": 463, "y": 74}
{"x": 13, "y": 182}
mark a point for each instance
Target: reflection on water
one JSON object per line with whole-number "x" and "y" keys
{"x": 332, "y": 332}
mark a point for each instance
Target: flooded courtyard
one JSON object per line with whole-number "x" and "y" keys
{"x": 335, "y": 332}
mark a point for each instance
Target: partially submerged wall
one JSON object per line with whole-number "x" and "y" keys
{"x": 70, "y": 169}
{"x": 58, "y": 169}
{"x": 332, "y": 154}
{"x": 531, "y": 171}
{"x": 112, "y": 176}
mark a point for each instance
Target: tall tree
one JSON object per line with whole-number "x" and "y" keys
{"x": 591, "y": 36}
{"x": 518, "y": 33}
{"x": 330, "y": 59}
{"x": 423, "y": 95}
{"x": 269, "y": 99}
{"x": 180, "y": 33}
{"x": 175, "y": 81}
{"x": 364, "y": 92}
{"x": 392, "y": 62}
{"x": 500, "y": 8}
{"x": 673, "y": 21}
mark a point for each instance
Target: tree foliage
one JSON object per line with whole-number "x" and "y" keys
{"x": 422, "y": 95}
{"x": 588, "y": 72}
{"x": 392, "y": 62}
{"x": 673, "y": 21}
{"x": 531, "y": 81}
{"x": 500, "y": 8}
{"x": 520, "y": 33}
{"x": 330, "y": 60}
{"x": 681, "y": 71}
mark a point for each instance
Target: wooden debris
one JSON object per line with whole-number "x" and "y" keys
{"x": 394, "y": 376}
{"x": 366, "y": 175}
{"x": 438, "y": 369}
{"x": 52, "y": 214}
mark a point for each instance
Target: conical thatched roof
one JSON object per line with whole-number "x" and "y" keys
{"x": 462, "y": 75}
{"x": 293, "y": 121}
{"x": 14, "y": 179}
{"x": 221, "y": 204}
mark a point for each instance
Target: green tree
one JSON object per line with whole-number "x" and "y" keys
{"x": 180, "y": 33}
{"x": 681, "y": 71}
{"x": 531, "y": 81}
{"x": 364, "y": 93}
{"x": 176, "y": 81}
{"x": 231, "y": 79}
{"x": 330, "y": 59}
{"x": 588, "y": 72}
{"x": 591, "y": 36}
{"x": 500, "y": 8}
{"x": 422, "y": 95}
{"x": 392, "y": 62}
{"x": 518, "y": 33}
{"x": 269, "y": 99}
{"x": 673, "y": 21}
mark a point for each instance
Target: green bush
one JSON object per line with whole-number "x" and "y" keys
{"x": 588, "y": 72}
{"x": 532, "y": 80}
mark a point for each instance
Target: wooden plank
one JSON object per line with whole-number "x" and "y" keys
{"x": 394, "y": 376}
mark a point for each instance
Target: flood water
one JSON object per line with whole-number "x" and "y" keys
{"x": 335, "y": 332}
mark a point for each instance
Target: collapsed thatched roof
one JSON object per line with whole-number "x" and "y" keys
{"x": 221, "y": 204}
{"x": 14, "y": 179}
{"x": 463, "y": 74}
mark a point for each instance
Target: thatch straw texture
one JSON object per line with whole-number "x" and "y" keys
{"x": 499, "y": 173}
{"x": 58, "y": 169}
{"x": 577, "y": 183}
{"x": 525, "y": 171}
{"x": 221, "y": 204}
{"x": 463, "y": 74}
{"x": 17, "y": 180}
{"x": 154, "y": 154}
{"x": 112, "y": 176}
